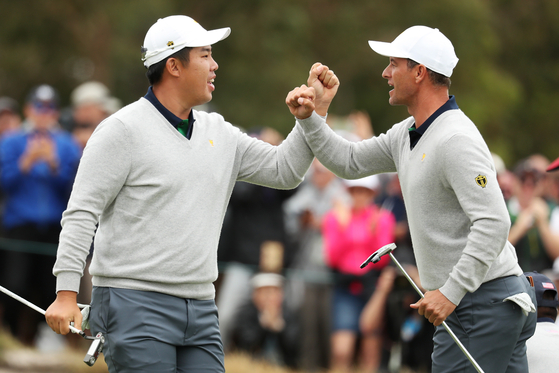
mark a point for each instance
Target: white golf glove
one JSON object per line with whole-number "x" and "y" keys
{"x": 85, "y": 317}
{"x": 524, "y": 301}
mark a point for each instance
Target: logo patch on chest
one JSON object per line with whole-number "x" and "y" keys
{"x": 481, "y": 180}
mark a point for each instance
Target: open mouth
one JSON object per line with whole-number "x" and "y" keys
{"x": 211, "y": 83}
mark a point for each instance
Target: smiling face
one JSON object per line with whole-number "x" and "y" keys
{"x": 402, "y": 78}
{"x": 198, "y": 77}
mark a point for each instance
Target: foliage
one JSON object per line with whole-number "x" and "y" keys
{"x": 505, "y": 81}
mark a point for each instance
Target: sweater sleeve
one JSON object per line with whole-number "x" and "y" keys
{"x": 348, "y": 160}
{"x": 469, "y": 172}
{"x": 281, "y": 167}
{"x": 101, "y": 174}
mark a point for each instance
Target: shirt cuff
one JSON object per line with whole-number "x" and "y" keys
{"x": 68, "y": 281}
{"x": 453, "y": 292}
{"x": 313, "y": 121}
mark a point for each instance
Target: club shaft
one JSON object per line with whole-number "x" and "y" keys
{"x": 464, "y": 350}
{"x": 31, "y": 305}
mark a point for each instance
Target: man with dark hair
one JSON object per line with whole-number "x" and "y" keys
{"x": 456, "y": 212}
{"x": 544, "y": 344}
{"x": 155, "y": 71}
{"x": 157, "y": 176}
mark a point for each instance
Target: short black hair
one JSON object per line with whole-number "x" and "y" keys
{"x": 155, "y": 71}
{"x": 436, "y": 78}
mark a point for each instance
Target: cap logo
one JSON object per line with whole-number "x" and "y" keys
{"x": 170, "y": 43}
{"x": 548, "y": 285}
{"x": 481, "y": 181}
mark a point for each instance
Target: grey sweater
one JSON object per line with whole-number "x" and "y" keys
{"x": 160, "y": 199}
{"x": 459, "y": 228}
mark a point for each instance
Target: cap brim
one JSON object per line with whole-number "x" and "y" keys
{"x": 387, "y": 49}
{"x": 554, "y": 165}
{"x": 210, "y": 37}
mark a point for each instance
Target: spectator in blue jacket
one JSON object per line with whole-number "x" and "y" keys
{"x": 37, "y": 169}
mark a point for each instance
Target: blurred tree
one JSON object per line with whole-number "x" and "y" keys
{"x": 505, "y": 80}
{"x": 529, "y": 33}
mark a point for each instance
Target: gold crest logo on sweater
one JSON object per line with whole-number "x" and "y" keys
{"x": 481, "y": 180}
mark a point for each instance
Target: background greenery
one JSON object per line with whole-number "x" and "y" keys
{"x": 506, "y": 80}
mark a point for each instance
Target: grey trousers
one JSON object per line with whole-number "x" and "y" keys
{"x": 493, "y": 331}
{"x": 154, "y": 332}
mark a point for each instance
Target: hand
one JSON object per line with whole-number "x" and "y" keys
{"x": 271, "y": 318}
{"x": 325, "y": 84}
{"x": 300, "y": 101}
{"x": 435, "y": 307}
{"x": 63, "y": 311}
{"x": 48, "y": 151}
{"x": 39, "y": 148}
{"x": 525, "y": 220}
{"x": 31, "y": 155}
{"x": 540, "y": 209}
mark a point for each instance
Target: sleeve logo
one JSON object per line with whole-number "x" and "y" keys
{"x": 481, "y": 181}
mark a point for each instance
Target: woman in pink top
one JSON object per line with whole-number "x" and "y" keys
{"x": 351, "y": 234}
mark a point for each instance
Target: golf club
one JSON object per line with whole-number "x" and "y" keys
{"x": 98, "y": 341}
{"x": 387, "y": 249}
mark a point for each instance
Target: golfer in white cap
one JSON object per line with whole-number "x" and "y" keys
{"x": 156, "y": 177}
{"x": 457, "y": 215}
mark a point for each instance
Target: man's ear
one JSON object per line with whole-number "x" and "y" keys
{"x": 173, "y": 66}
{"x": 420, "y": 72}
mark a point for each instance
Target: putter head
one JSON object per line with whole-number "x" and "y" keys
{"x": 375, "y": 257}
{"x": 95, "y": 349}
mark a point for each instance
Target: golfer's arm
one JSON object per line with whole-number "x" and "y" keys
{"x": 348, "y": 160}
{"x": 101, "y": 174}
{"x": 281, "y": 167}
{"x": 484, "y": 207}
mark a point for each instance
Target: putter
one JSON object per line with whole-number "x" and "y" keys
{"x": 387, "y": 249}
{"x": 98, "y": 341}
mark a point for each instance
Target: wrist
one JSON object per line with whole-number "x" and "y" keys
{"x": 322, "y": 110}
{"x": 67, "y": 296}
{"x": 302, "y": 117}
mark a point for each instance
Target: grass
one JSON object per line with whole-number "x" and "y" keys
{"x": 17, "y": 357}
{"x": 243, "y": 363}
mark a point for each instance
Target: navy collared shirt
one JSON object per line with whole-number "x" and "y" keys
{"x": 416, "y": 133}
{"x": 172, "y": 118}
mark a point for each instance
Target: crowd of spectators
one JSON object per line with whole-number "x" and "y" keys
{"x": 290, "y": 289}
{"x": 40, "y": 149}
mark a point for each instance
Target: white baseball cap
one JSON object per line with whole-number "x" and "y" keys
{"x": 370, "y": 182}
{"x": 171, "y": 34}
{"x": 267, "y": 279}
{"x": 425, "y": 45}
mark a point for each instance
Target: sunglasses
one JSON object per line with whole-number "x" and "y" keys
{"x": 42, "y": 106}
